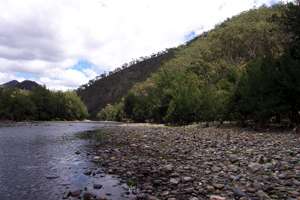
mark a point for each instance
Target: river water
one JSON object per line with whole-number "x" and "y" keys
{"x": 38, "y": 162}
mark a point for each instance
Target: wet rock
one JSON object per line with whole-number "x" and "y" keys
{"x": 77, "y": 152}
{"x": 87, "y": 172}
{"x": 101, "y": 198}
{"x": 66, "y": 195}
{"x": 193, "y": 198}
{"x": 52, "y": 177}
{"x": 88, "y": 196}
{"x": 75, "y": 193}
{"x": 97, "y": 186}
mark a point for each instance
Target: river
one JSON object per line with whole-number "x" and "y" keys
{"x": 42, "y": 161}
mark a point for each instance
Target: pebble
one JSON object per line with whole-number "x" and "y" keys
{"x": 179, "y": 164}
{"x": 174, "y": 181}
{"x": 254, "y": 167}
{"x": 262, "y": 195}
{"x": 215, "y": 197}
{"x": 187, "y": 179}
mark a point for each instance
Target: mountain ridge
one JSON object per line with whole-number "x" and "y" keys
{"x": 24, "y": 85}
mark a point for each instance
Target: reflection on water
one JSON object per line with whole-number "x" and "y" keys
{"x": 44, "y": 160}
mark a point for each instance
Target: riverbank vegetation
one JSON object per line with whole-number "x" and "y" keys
{"x": 40, "y": 104}
{"x": 246, "y": 69}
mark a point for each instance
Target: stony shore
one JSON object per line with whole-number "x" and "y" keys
{"x": 193, "y": 163}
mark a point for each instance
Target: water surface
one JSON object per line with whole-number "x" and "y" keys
{"x": 38, "y": 161}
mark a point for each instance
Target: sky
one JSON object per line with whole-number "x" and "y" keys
{"x": 65, "y": 43}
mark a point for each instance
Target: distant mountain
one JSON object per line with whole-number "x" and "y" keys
{"x": 108, "y": 89}
{"x": 12, "y": 83}
{"x": 24, "y": 85}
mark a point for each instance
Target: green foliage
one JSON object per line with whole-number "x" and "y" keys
{"x": 291, "y": 23}
{"x": 40, "y": 104}
{"x": 254, "y": 96}
{"x": 42, "y": 99}
{"x": 185, "y": 99}
{"x": 247, "y": 68}
{"x": 74, "y": 107}
{"x": 244, "y": 69}
{"x": 269, "y": 88}
{"x": 16, "y": 105}
{"x": 111, "y": 113}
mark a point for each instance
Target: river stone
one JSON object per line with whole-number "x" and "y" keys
{"x": 88, "y": 196}
{"x": 97, "y": 186}
{"x": 218, "y": 186}
{"x": 75, "y": 193}
{"x": 77, "y": 152}
{"x": 215, "y": 197}
{"x": 52, "y": 177}
{"x": 87, "y": 172}
{"x": 168, "y": 168}
{"x": 174, "y": 181}
{"x": 187, "y": 179}
{"x": 238, "y": 193}
{"x": 262, "y": 195}
{"x": 216, "y": 169}
{"x": 255, "y": 166}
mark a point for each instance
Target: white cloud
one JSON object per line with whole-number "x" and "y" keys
{"x": 46, "y": 38}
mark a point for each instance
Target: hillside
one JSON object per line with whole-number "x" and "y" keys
{"x": 112, "y": 88}
{"x": 244, "y": 69}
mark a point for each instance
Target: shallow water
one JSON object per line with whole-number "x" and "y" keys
{"x": 38, "y": 161}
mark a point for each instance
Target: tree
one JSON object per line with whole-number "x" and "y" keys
{"x": 74, "y": 107}
{"x": 291, "y": 24}
{"x": 257, "y": 96}
{"x": 16, "y": 105}
{"x": 112, "y": 112}
{"x": 44, "y": 103}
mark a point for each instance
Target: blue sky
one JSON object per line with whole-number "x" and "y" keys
{"x": 82, "y": 65}
{"x": 65, "y": 43}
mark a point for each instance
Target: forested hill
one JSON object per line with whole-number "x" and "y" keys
{"x": 247, "y": 68}
{"x": 24, "y": 85}
{"x": 110, "y": 88}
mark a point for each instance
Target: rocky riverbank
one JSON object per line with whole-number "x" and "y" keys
{"x": 202, "y": 163}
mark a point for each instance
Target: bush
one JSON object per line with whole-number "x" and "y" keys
{"x": 111, "y": 113}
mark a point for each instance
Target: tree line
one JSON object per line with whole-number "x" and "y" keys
{"x": 247, "y": 69}
{"x": 40, "y": 104}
